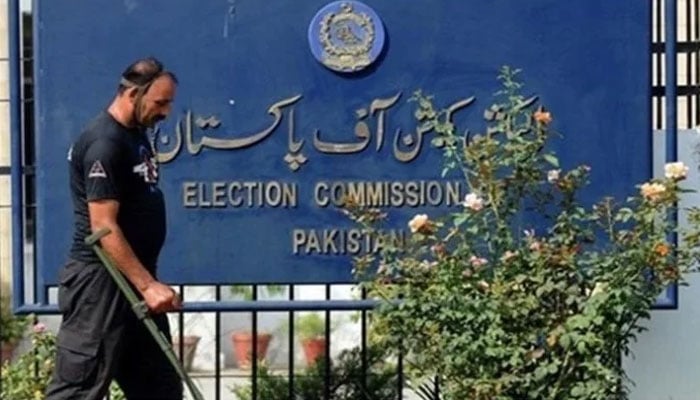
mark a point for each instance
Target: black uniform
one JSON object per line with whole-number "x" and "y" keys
{"x": 100, "y": 337}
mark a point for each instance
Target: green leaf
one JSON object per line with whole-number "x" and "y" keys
{"x": 460, "y": 219}
{"x": 553, "y": 160}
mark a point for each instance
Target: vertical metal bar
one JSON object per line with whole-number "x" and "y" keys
{"x": 671, "y": 111}
{"x": 670, "y": 88}
{"x": 254, "y": 356}
{"x": 217, "y": 348}
{"x": 181, "y": 329}
{"x": 688, "y": 67}
{"x": 40, "y": 287}
{"x": 327, "y": 356}
{"x": 290, "y": 359}
{"x": 437, "y": 387}
{"x": 658, "y": 30}
{"x": 363, "y": 346}
{"x": 696, "y": 37}
{"x": 16, "y": 163}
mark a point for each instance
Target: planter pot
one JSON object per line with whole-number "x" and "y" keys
{"x": 314, "y": 349}
{"x": 243, "y": 347}
{"x": 189, "y": 347}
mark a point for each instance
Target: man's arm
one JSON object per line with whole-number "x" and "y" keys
{"x": 158, "y": 297}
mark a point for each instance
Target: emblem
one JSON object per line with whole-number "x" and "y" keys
{"x": 147, "y": 168}
{"x": 97, "y": 170}
{"x": 346, "y": 36}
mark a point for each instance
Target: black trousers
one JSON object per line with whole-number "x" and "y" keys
{"x": 100, "y": 339}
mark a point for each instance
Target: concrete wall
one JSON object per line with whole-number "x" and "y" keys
{"x": 5, "y": 215}
{"x": 666, "y": 358}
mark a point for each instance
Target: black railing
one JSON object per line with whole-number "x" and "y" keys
{"x": 688, "y": 64}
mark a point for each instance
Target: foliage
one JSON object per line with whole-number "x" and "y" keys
{"x": 115, "y": 392}
{"x": 345, "y": 381}
{"x": 246, "y": 291}
{"x": 310, "y": 326}
{"x": 12, "y": 327}
{"x": 527, "y": 291}
{"x": 28, "y": 376}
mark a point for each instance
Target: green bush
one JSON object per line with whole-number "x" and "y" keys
{"x": 524, "y": 292}
{"x": 12, "y": 327}
{"x": 27, "y": 377}
{"x": 345, "y": 381}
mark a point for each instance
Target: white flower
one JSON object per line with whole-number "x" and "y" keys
{"x": 676, "y": 170}
{"x": 652, "y": 191}
{"x": 473, "y": 202}
{"x": 418, "y": 223}
{"x": 553, "y": 175}
{"x": 477, "y": 261}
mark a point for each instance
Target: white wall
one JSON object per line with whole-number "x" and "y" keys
{"x": 5, "y": 214}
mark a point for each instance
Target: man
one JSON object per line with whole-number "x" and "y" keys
{"x": 113, "y": 180}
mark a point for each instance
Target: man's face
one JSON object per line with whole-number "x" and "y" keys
{"x": 155, "y": 104}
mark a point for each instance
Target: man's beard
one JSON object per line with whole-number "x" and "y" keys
{"x": 150, "y": 124}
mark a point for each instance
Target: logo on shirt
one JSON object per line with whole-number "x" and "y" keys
{"x": 97, "y": 170}
{"x": 147, "y": 168}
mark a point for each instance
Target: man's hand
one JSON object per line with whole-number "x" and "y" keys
{"x": 160, "y": 298}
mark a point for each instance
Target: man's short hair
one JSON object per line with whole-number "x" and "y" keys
{"x": 142, "y": 73}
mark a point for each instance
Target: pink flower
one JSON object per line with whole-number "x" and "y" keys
{"x": 39, "y": 328}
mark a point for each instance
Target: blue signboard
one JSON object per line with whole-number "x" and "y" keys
{"x": 285, "y": 107}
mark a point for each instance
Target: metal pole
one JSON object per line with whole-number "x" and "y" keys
{"x": 16, "y": 153}
{"x": 670, "y": 87}
{"x": 671, "y": 22}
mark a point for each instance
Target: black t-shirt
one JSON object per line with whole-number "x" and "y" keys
{"x": 110, "y": 161}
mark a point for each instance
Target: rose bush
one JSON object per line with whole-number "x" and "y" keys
{"x": 526, "y": 292}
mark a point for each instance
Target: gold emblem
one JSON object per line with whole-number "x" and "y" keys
{"x": 347, "y": 38}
